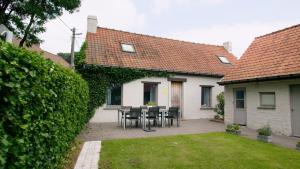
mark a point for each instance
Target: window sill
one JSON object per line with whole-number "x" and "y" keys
{"x": 266, "y": 108}
{"x": 112, "y": 107}
{"x": 206, "y": 108}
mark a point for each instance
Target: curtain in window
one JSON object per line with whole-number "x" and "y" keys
{"x": 205, "y": 100}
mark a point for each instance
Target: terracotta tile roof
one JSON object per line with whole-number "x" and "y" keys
{"x": 272, "y": 56}
{"x": 155, "y": 53}
{"x": 56, "y": 59}
{"x": 47, "y": 55}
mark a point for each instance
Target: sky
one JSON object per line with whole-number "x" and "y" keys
{"x": 202, "y": 21}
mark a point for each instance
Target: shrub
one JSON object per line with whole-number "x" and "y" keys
{"x": 265, "y": 131}
{"x": 219, "y": 109}
{"x": 298, "y": 144}
{"x": 43, "y": 107}
{"x": 232, "y": 127}
{"x": 151, "y": 104}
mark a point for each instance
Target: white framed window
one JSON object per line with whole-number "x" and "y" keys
{"x": 127, "y": 47}
{"x": 223, "y": 59}
{"x": 206, "y": 96}
{"x": 267, "y": 99}
{"x": 114, "y": 96}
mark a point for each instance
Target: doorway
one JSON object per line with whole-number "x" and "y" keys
{"x": 295, "y": 109}
{"x": 176, "y": 96}
{"x": 240, "y": 113}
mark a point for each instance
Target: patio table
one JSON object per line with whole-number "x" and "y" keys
{"x": 122, "y": 113}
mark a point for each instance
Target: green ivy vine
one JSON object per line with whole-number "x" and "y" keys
{"x": 100, "y": 78}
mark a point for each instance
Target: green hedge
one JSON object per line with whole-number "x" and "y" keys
{"x": 43, "y": 107}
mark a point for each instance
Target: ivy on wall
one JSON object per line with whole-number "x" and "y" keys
{"x": 100, "y": 78}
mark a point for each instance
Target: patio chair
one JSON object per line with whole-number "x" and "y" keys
{"x": 122, "y": 111}
{"x": 173, "y": 113}
{"x": 134, "y": 114}
{"x": 153, "y": 114}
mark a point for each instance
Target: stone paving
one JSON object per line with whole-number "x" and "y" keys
{"x": 108, "y": 131}
{"x": 89, "y": 155}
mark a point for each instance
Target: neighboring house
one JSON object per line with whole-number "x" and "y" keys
{"x": 264, "y": 86}
{"x": 197, "y": 69}
{"x": 36, "y": 47}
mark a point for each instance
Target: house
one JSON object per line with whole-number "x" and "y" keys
{"x": 36, "y": 47}
{"x": 196, "y": 67}
{"x": 264, "y": 86}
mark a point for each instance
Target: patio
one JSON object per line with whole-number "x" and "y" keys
{"x": 109, "y": 131}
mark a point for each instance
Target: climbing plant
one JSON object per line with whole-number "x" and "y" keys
{"x": 100, "y": 78}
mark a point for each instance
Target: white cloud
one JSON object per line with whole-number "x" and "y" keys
{"x": 118, "y": 14}
{"x": 241, "y": 35}
{"x": 160, "y": 6}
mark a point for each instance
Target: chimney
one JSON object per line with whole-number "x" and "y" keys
{"x": 92, "y": 23}
{"x": 228, "y": 46}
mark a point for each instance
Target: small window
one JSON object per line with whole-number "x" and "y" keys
{"x": 267, "y": 99}
{"x": 150, "y": 93}
{"x": 114, "y": 95}
{"x": 223, "y": 59}
{"x": 240, "y": 99}
{"x": 206, "y": 96}
{"x": 127, "y": 48}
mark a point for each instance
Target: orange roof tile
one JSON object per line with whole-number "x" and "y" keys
{"x": 271, "y": 56}
{"x": 155, "y": 53}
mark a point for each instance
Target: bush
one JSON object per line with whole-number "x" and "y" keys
{"x": 232, "y": 127}
{"x": 298, "y": 144}
{"x": 219, "y": 109}
{"x": 43, "y": 107}
{"x": 265, "y": 131}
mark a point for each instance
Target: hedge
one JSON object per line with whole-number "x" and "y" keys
{"x": 43, "y": 107}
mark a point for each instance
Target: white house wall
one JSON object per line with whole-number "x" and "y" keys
{"x": 278, "y": 118}
{"x": 132, "y": 95}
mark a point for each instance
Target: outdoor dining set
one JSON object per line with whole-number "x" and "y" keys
{"x": 143, "y": 116}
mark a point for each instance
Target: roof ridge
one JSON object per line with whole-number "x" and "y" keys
{"x": 153, "y": 36}
{"x": 278, "y": 31}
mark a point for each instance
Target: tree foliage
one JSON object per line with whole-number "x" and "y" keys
{"x": 26, "y": 18}
{"x": 43, "y": 107}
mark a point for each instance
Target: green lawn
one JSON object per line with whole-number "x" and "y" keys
{"x": 207, "y": 151}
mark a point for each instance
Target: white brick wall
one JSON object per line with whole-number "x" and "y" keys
{"x": 279, "y": 119}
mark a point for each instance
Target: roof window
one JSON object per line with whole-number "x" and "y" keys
{"x": 223, "y": 59}
{"x": 127, "y": 47}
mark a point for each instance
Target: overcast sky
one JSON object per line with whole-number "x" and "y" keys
{"x": 203, "y": 21}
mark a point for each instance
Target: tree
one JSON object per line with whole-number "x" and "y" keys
{"x": 219, "y": 109}
{"x": 26, "y": 18}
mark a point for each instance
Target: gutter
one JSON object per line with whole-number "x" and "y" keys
{"x": 162, "y": 70}
{"x": 270, "y": 78}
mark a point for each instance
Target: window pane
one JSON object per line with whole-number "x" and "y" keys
{"x": 240, "y": 94}
{"x": 114, "y": 96}
{"x": 150, "y": 93}
{"x": 127, "y": 47}
{"x": 267, "y": 99}
{"x": 240, "y": 104}
{"x": 205, "y": 96}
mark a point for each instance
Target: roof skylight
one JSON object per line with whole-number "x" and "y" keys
{"x": 223, "y": 59}
{"x": 127, "y": 47}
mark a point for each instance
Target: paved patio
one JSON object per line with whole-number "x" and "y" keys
{"x": 107, "y": 131}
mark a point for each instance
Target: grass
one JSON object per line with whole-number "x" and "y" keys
{"x": 201, "y": 151}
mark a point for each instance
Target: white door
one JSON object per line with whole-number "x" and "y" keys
{"x": 176, "y": 95}
{"x": 240, "y": 113}
{"x": 295, "y": 109}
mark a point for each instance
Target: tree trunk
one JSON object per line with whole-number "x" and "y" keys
{"x": 21, "y": 44}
